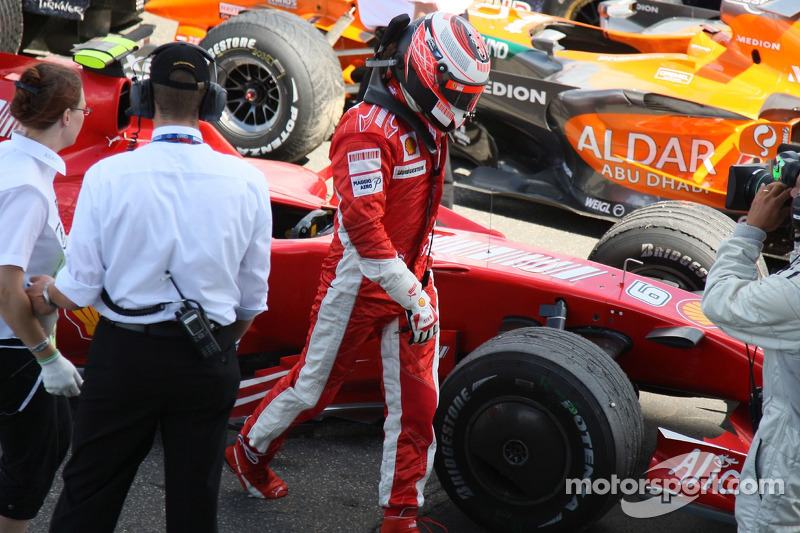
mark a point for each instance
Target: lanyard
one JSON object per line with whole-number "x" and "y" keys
{"x": 178, "y": 138}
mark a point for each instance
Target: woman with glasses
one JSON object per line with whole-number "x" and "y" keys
{"x": 35, "y": 379}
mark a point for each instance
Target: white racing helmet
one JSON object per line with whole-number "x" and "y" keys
{"x": 443, "y": 68}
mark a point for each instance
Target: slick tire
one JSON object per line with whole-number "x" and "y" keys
{"x": 284, "y": 82}
{"x": 527, "y": 416}
{"x": 10, "y": 26}
{"x": 676, "y": 242}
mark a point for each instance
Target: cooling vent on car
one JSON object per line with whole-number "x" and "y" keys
{"x": 683, "y": 337}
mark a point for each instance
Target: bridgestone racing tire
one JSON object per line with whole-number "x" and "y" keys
{"x": 676, "y": 241}
{"x": 524, "y": 413}
{"x": 284, "y": 82}
{"x": 10, "y": 25}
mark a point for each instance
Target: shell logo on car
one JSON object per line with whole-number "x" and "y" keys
{"x": 691, "y": 311}
{"x": 85, "y": 320}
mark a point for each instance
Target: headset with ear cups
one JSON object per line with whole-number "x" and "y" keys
{"x": 143, "y": 105}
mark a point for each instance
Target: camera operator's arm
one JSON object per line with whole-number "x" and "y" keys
{"x": 761, "y": 312}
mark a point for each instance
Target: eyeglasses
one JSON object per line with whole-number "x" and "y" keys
{"x": 85, "y": 110}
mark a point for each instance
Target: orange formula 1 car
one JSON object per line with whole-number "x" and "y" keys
{"x": 604, "y": 123}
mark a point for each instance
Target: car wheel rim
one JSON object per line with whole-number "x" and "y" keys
{"x": 586, "y": 12}
{"x": 517, "y": 451}
{"x": 254, "y": 98}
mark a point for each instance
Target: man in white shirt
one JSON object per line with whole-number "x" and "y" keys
{"x": 172, "y": 228}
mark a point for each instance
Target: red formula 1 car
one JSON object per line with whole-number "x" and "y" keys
{"x": 539, "y": 395}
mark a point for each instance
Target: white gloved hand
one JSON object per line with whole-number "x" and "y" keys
{"x": 60, "y": 377}
{"x": 423, "y": 319}
{"x": 404, "y": 288}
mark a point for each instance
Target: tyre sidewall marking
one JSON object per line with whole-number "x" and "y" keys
{"x": 565, "y": 410}
{"x": 288, "y": 118}
{"x": 670, "y": 255}
{"x": 228, "y": 44}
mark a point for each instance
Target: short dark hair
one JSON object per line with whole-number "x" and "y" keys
{"x": 45, "y": 91}
{"x": 178, "y": 104}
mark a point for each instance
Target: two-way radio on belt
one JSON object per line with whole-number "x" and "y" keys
{"x": 192, "y": 318}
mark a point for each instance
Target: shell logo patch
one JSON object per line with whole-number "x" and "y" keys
{"x": 410, "y": 146}
{"x": 691, "y": 311}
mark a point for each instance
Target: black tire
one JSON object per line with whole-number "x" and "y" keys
{"x": 525, "y": 412}
{"x": 10, "y": 25}
{"x": 676, "y": 241}
{"x": 284, "y": 82}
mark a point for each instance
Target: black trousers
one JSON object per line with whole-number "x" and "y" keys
{"x": 34, "y": 440}
{"x": 134, "y": 384}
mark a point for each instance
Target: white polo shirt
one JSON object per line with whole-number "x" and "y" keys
{"x": 171, "y": 206}
{"x": 31, "y": 234}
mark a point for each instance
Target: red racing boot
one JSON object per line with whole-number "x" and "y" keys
{"x": 257, "y": 479}
{"x": 397, "y": 524}
{"x": 407, "y": 521}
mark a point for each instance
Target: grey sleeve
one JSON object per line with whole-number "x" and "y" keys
{"x": 762, "y": 312}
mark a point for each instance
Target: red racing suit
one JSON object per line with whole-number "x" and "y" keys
{"x": 389, "y": 187}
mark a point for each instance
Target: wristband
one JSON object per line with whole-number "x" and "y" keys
{"x": 41, "y": 346}
{"x": 44, "y": 361}
{"x": 46, "y": 295}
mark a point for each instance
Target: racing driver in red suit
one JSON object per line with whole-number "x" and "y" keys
{"x": 387, "y": 158}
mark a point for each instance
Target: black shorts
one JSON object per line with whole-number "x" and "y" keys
{"x": 34, "y": 440}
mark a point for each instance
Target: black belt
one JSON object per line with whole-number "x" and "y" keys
{"x": 169, "y": 328}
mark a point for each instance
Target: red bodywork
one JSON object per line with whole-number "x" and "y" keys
{"x": 472, "y": 264}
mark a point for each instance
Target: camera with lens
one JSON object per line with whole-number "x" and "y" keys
{"x": 744, "y": 180}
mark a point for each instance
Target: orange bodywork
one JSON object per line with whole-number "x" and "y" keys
{"x": 196, "y": 17}
{"x": 205, "y": 14}
{"x": 736, "y": 66}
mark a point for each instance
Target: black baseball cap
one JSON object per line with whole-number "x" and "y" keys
{"x": 180, "y": 56}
